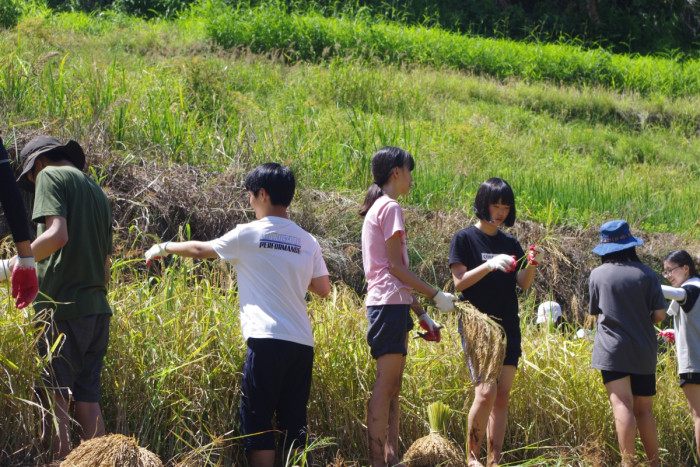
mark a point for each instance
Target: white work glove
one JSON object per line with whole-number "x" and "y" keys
{"x": 157, "y": 251}
{"x": 502, "y": 262}
{"x": 535, "y": 254}
{"x": 444, "y": 301}
{"x": 673, "y": 293}
{"x": 5, "y": 270}
{"x": 431, "y": 327}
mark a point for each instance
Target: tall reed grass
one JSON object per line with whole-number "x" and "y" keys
{"x": 173, "y": 370}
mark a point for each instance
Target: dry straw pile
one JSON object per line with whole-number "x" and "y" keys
{"x": 483, "y": 343}
{"x": 111, "y": 451}
{"x": 435, "y": 449}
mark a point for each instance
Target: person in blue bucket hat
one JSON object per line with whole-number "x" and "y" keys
{"x": 627, "y": 298}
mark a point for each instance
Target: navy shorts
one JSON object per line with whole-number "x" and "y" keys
{"x": 642, "y": 385}
{"x": 388, "y": 327}
{"x": 276, "y": 380}
{"x": 692, "y": 378}
{"x": 75, "y": 366}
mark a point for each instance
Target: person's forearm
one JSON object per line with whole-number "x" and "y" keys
{"x": 191, "y": 249}
{"x": 47, "y": 244}
{"x": 406, "y": 276}
{"x": 24, "y": 249}
{"x": 464, "y": 280}
{"x": 526, "y": 277}
{"x": 12, "y": 204}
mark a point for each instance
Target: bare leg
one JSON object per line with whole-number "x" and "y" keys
{"x": 646, "y": 424}
{"x": 692, "y": 394}
{"x": 391, "y": 448}
{"x": 622, "y": 402}
{"x": 89, "y": 417}
{"x": 385, "y": 393}
{"x": 477, "y": 420}
{"x": 499, "y": 415}
{"x": 261, "y": 458}
{"x": 56, "y": 425}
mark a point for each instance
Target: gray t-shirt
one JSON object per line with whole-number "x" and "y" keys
{"x": 687, "y": 327}
{"x": 626, "y": 295}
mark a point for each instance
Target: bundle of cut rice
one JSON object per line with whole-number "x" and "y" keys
{"x": 111, "y": 451}
{"x": 435, "y": 449}
{"x": 483, "y": 343}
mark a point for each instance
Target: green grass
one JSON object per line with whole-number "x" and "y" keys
{"x": 159, "y": 90}
{"x": 310, "y": 36}
{"x": 577, "y": 151}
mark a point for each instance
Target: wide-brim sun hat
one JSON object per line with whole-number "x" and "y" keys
{"x": 615, "y": 236}
{"x": 42, "y": 145}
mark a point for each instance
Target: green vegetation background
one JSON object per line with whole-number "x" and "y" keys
{"x": 174, "y": 111}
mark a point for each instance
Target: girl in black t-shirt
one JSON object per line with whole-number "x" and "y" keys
{"x": 486, "y": 269}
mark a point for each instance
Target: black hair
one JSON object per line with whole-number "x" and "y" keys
{"x": 622, "y": 256}
{"x": 277, "y": 180}
{"x": 383, "y": 162}
{"x": 55, "y": 155}
{"x": 682, "y": 258}
{"x": 493, "y": 191}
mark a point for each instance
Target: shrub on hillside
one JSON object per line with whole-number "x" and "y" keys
{"x": 146, "y": 8}
{"x": 10, "y": 12}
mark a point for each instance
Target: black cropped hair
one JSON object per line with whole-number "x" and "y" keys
{"x": 621, "y": 256}
{"x": 494, "y": 191}
{"x": 277, "y": 180}
{"x": 682, "y": 258}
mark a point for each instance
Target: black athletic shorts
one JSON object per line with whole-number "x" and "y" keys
{"x": 692, "y": 378}
{"x": 76, "y": 363}
{"x": 642, "y": 385}
{"x": 276, "y": 381}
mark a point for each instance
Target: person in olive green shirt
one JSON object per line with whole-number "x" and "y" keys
{"x": 72, "y": 252}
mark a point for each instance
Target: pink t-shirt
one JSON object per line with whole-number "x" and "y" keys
{"x": 383, "y": 220}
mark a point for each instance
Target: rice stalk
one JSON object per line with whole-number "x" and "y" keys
{"x": 483, "y": 343}
{"x": 113, "y": 450}
{"x": 435, "y": 449}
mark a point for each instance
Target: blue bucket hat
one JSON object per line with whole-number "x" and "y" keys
{"x": 615, "y": 236}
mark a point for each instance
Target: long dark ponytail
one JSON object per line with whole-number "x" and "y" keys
{"x": 383, "y": 162}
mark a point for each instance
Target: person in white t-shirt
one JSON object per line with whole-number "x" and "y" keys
{"x": 681, "y": 273}
{"x": 276, "y": 262}
{"x": 549, "y": 313}
{"x": 390, "y": 285}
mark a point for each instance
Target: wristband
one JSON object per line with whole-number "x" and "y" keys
{"x": 25, "y": 262}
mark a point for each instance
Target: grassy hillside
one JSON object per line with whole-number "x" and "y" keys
{"x": 163, "y": 91}
{"x": 171, "y": 120}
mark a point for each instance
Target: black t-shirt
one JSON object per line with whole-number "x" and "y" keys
{"x": 495, "y": 293}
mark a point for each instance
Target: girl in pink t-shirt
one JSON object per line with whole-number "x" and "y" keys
{"x": 390, "y": 285}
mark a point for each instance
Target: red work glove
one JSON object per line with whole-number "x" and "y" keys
{"x": 535, "y": 254}
{"x": 431, "y": 327}
{"x": 669, "y": 335}
{"x": 24, "y": 282}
